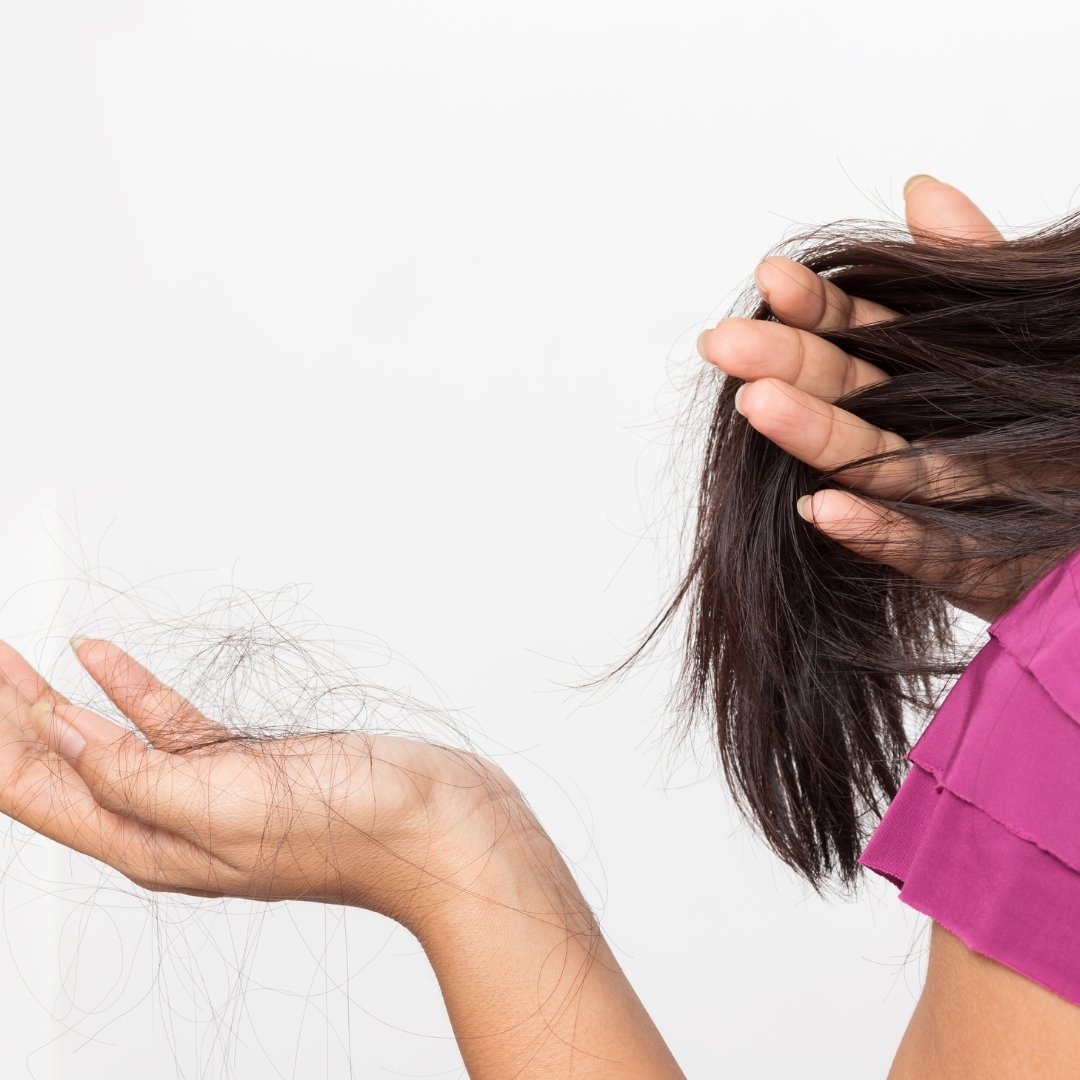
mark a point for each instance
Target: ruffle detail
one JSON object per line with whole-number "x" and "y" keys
{"x": 984, "y": 833}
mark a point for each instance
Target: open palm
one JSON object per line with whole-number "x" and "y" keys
{"x": 181, "y": 804}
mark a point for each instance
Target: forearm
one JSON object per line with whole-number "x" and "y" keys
{"x": 531, "y": 987}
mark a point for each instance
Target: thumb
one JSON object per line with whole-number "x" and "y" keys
{"x": 166, "y": 718}
{"x": 939, "y": 211}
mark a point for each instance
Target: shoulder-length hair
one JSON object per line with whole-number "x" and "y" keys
{"x": 800, "y": 653}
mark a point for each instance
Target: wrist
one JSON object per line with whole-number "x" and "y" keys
{"x": 531, "y": 986}
{"x": 489, "y": 861}
{"x": 432, "y": 835}
{"x": 500, "y": 868}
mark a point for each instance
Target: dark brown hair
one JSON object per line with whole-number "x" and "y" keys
{"x": 802, "y": 654}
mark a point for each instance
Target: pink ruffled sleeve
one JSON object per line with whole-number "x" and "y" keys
{"x": 984, "y": 833}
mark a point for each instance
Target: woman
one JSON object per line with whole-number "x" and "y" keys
{"x": 444, "y": 843}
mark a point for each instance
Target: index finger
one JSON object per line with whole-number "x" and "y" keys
{"x": 27, "y": 682}
{"x": 24, "y": 676}
{"x": 807, "y": 301}
{"x": 800, "y": 298}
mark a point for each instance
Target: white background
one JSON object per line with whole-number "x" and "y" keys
{"x": 393, "y": 304}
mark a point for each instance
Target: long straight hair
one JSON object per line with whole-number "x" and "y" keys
{"x": 803, "y": 655}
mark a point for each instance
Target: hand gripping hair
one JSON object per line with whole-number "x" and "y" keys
{"x": 804, "y": 643}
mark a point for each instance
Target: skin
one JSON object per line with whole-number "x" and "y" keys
{"x": 438, "y": 839}
{"x": 443, "y": 841}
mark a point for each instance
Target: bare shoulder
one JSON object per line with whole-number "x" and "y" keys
{"x": 978, "y": 1018}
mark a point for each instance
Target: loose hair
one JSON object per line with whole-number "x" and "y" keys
{"x": 802, "y": 654}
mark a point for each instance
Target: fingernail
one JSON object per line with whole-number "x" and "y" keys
{"x": 76, "y": 642}
{"x": 761, "y": 275}
{"x": 915, "y": 181}
{"x": 63, "y": 738}
{"x": 700, "y": 345}
{"x": 803, "y": 508}
{"x": 738, "y": 398}
{"x": 39, "y": 711}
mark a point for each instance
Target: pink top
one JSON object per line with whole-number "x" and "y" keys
{"x": 984, "y": 833}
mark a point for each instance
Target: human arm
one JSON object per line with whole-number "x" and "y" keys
{"x": 978, "y": 1018}
{"x": 532, "y": 987}
{"x": 435, "y": 838}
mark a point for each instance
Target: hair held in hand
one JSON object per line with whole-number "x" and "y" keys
{"x": 803, "y": 654}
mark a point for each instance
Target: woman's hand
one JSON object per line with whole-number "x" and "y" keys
{"x": 794, "y": 376}
{"x": 437, "y": 839}
{"x": 373, "y": 821}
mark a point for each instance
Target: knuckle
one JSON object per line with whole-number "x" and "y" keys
{"x": 817, "y": 303}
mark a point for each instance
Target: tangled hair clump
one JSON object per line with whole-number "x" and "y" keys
{"x": 802, "y": 653}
